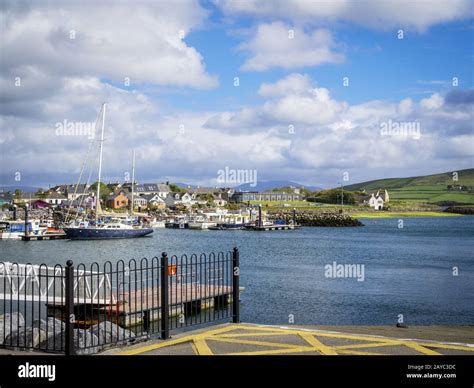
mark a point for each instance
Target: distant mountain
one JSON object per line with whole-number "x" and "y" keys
{"x": 184, "y": 185}
{"x": 12, "y": 188}
{"x": 269, "y": 185}
{"x": 428, "y": 188}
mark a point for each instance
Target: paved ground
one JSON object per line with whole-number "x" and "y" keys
{"x": 250, "y": 339}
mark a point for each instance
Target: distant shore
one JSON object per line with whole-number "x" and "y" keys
{"x": 382, "y": 214}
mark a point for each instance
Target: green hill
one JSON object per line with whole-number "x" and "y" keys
{"x": 429, "y": 188}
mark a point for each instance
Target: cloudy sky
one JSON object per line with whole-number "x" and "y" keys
{"x": 294, "y": 89}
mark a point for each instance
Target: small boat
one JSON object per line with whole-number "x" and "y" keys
{"x": 16, "y": 229}
{"x": 232, "y": 222}
{"x": 155, "y": 224}
{"x": 201, "y": 222}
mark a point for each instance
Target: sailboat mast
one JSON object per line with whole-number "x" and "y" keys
{"x": 97, "y": 206}
{"x": 133, "y": 178}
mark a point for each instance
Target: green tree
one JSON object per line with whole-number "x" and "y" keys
{"x": 332, "y": 196}
{"x": 104, "y": 190}
{"x": 17, "y": 194}
{"x": 40, "y": 193}
{"x": 175, "y": 188}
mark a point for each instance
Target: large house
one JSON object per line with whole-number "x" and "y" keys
{"x": 154, "y": 200}
{"x": 162, "y": 189}
{"x": 266, "y": 196}
{"x": 54, "y": 198}
{"x": 173, "y": 199}
{"x": 377, "y": 199}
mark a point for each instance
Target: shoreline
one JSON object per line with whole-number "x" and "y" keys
{"x": 419, "y": 214}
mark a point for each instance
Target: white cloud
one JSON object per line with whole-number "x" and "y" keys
{"x": 435, "y": 101}
{"x": 331, "y": 136}
{"x": 294, "y": 83}
{"x": 280, "y": 45}
{"x": 416, "y": 15}
{"x": 142, "y": 42}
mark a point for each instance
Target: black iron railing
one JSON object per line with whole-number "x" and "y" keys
{"x": 84, "y": 309}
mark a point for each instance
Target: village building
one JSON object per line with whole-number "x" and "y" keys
{"x": 85, "y": 201}
{"x": 6, "y": 199}
{"x": 162, "y": 189}
{"x": 155, "y": 200}
{"x": 376, "y": 199}
{"x": 138, "y": 202}
{"x": 266, "y": 196}
{"x": 117, "y": 201}
{"x": 54, "y": 198}
{"x": 25, "y": 198}
{"x": 75, "y": 191}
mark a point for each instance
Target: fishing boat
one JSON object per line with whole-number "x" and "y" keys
{"x": 83, "y": 230}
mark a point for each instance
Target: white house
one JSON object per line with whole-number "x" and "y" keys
{"x": 161, "y": 189}
{"x": 154, "y": 200}
{"x": 378, "y": 199}
{"x": 54, "y": 198}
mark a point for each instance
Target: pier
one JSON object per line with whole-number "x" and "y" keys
{"x": 272, "y": 227}
{"x": 81, "y": 309}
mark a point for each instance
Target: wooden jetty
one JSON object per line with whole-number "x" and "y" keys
{"x": 142, "y": 306}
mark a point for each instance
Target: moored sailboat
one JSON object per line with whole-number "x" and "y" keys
{"x": 84, "y": 230}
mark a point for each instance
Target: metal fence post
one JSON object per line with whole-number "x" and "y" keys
{"x": 165, "y": 328}
{"x": 70, "y": 317}
{"x": 235, "y": 286}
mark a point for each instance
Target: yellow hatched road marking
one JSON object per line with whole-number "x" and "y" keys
{"x": 238, "y": 335}
{"x": 421, "y": 349}
{"x": 301, "y": 349}
{"x": 257, "y": 343}
{"x": 361, "y": 346}
{"x": 202, "y": 349}
{"x": 358, "y": 353}
{"x": 171, "y": 342}
{"x": 225, "y": 334}
{"x": 316, "y": 344}
{"x": 446, "y": 346}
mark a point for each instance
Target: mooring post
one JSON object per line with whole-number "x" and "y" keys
{"x": 294, "y": 216}
{"x": 235, "y": 286}
{"x": 260, "y": 223}
{"x": 26, "y": 220}
{"x": 165, "y": 328}
{"x": 70, "y": 317}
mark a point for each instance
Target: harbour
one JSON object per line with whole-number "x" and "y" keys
{"x": 393, "y": 278}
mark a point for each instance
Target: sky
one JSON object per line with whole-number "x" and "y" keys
{"x": 314, "y": 92}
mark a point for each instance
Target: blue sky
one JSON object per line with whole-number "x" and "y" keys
{"x": 186, "y": 119}
{"x": 379, "y": 65}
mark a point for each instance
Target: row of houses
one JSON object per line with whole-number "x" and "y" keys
{"x": 147, "y": 195}
{"x": 160, "y": 196}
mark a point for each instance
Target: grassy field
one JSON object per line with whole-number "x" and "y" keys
{"x": 429, "y": 189}
{"x": 383, "y": 214}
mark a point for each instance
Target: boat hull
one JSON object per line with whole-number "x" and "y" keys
{"x": 102, "y": 234}
{"x": 227, "y": 227}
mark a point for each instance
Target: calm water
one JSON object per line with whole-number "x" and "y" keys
{"x": 407, "y": 271}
